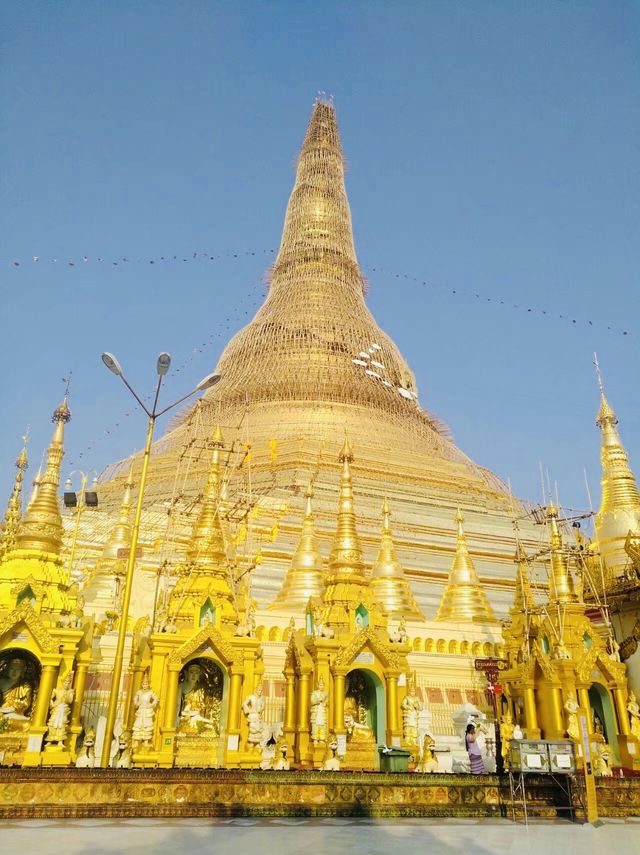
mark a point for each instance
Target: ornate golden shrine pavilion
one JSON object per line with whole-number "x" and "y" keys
{"x": 318, "y": 562}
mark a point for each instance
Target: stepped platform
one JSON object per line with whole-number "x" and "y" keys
{"x": 111, "y": 793}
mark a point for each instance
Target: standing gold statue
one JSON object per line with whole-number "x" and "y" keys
{"x": 61, "y": 701}
{"x": 507, "y": 729}
{"x": 411, "y": 706}
{"x": 634, "y": 715}
{"x": 319, "y": 698}
{"x": 571, "y": 708}
{"x": 145, "y": 702}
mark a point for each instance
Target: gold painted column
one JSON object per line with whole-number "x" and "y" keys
{"x": 392, "y": 707}
{"x": 47, "y": 682}
{"x": 530, "y": 712}
{"x": 290, "y": 704}
{"x": 556, "y": 711}
{"x": 621, "y": 708}
{"x": 583, "y": 701}
{"x": 171, "y": 700}
{"x": 78, "y": 687}
{"x": 129, "y": 711}
{"x": 338, "y": 702}
{"x": 235, "y": 692}
{"x": 303, "y": 704}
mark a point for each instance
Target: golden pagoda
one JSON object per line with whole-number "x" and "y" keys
{"x": 103, "y": 586}
{"x": 292, "y": 387}
{"x": 13, "y": 513}
{"x": 342, "y": 670}
{"x": 230, "y": 556}
{"x": 201, "y": 660}
{"x": 619, "y": 512}
{"x": 463, "y": 598}
{"x": 389, "y": 586}
{"x": 45, "y": 642}
{"x": 305, "y": 579}
{"x": 559, "y": 662}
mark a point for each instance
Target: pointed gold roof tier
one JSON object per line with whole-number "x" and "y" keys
{"x": 619, "y": 511}
{"x": 463, "y": 598}
{"x": 561, "y": 588}
{"x": 120, "y": 536}
{"x": 41, "y": 526}
{"x": 204, "y": 582}
{"x": 346, "y": 582}
{"x": 306, "y": 578}
{"x": 35, "y": 565}
{"x": 100, "y": 590}
{"x": 13, "y": 513}
{"x": 524, "y": 599}
{"x": 390, "y": 589}
{"x": 291, "y": 389}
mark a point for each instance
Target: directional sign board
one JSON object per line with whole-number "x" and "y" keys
{"x": 490, "y": 663}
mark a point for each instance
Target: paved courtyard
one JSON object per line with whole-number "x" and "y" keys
{"x": 316, "y": 837}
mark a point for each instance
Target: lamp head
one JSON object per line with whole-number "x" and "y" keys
{"x": 112, "y": 364}
{"x": 163, "y": 363}
{"x": 208, "y": 381}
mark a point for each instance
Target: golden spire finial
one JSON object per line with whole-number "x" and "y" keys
{"x": 463, "y": 598}
{"x": 120, "y": 536}
{"x": 13, "y": 513}
{"x": 308, "y": 494}
{"x": 318, "y": 220}
{"x": 41, "y": 526}
{"x": 346, "y": 583}
{"x": 346, "y": 554}
{"x": 207, "y": 540}
{"x": 561, "y": 587}
{"x": 205, "y": 576}
{"x": 619, "y": 511}
{"x": 305, "y": 578}
{"x": 391, "y": 590}
{"x": 523, "y": 598}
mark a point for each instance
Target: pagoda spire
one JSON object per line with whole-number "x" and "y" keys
{"x": 390, "y": 589}
{"x": 346, "y": 583}
{"x": 120, "y": 536}
{"x": 463, "y": 598}
{"x": 305, "y": 578}
{"x": 204, "y": 590}
{"x": 523, "y": 600}
{"x": 206, "y": 546}
{"x": 314, "y": 321}
{"x": 41, "y": 526}
{"x": 100, "y": 590}
{"x": 561, "y": 588}
{"x": 619, "y": 511}
{"x": 317, "y": 226}
{"x": 13, "y": 513}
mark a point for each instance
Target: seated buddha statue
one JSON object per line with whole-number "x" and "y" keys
{"x": 356, "y": 712}
{"x": 199, "y": 701}
{"x": 16, "y": 694}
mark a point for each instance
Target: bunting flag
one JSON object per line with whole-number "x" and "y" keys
{"x": 116, "y": 262}
{"x": 458, "y": 293}
{"x": 246, "y": 305}
{"x": 499, "y": 301}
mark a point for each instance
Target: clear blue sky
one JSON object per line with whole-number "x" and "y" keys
{"x": 493, "y": 148}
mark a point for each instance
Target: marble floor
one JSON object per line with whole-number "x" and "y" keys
{"x": 315, "y": 837}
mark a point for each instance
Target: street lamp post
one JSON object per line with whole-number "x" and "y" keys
{"x": 162, "y": 366}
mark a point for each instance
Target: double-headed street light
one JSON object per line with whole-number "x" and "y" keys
{"x": 162, "y": 367}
